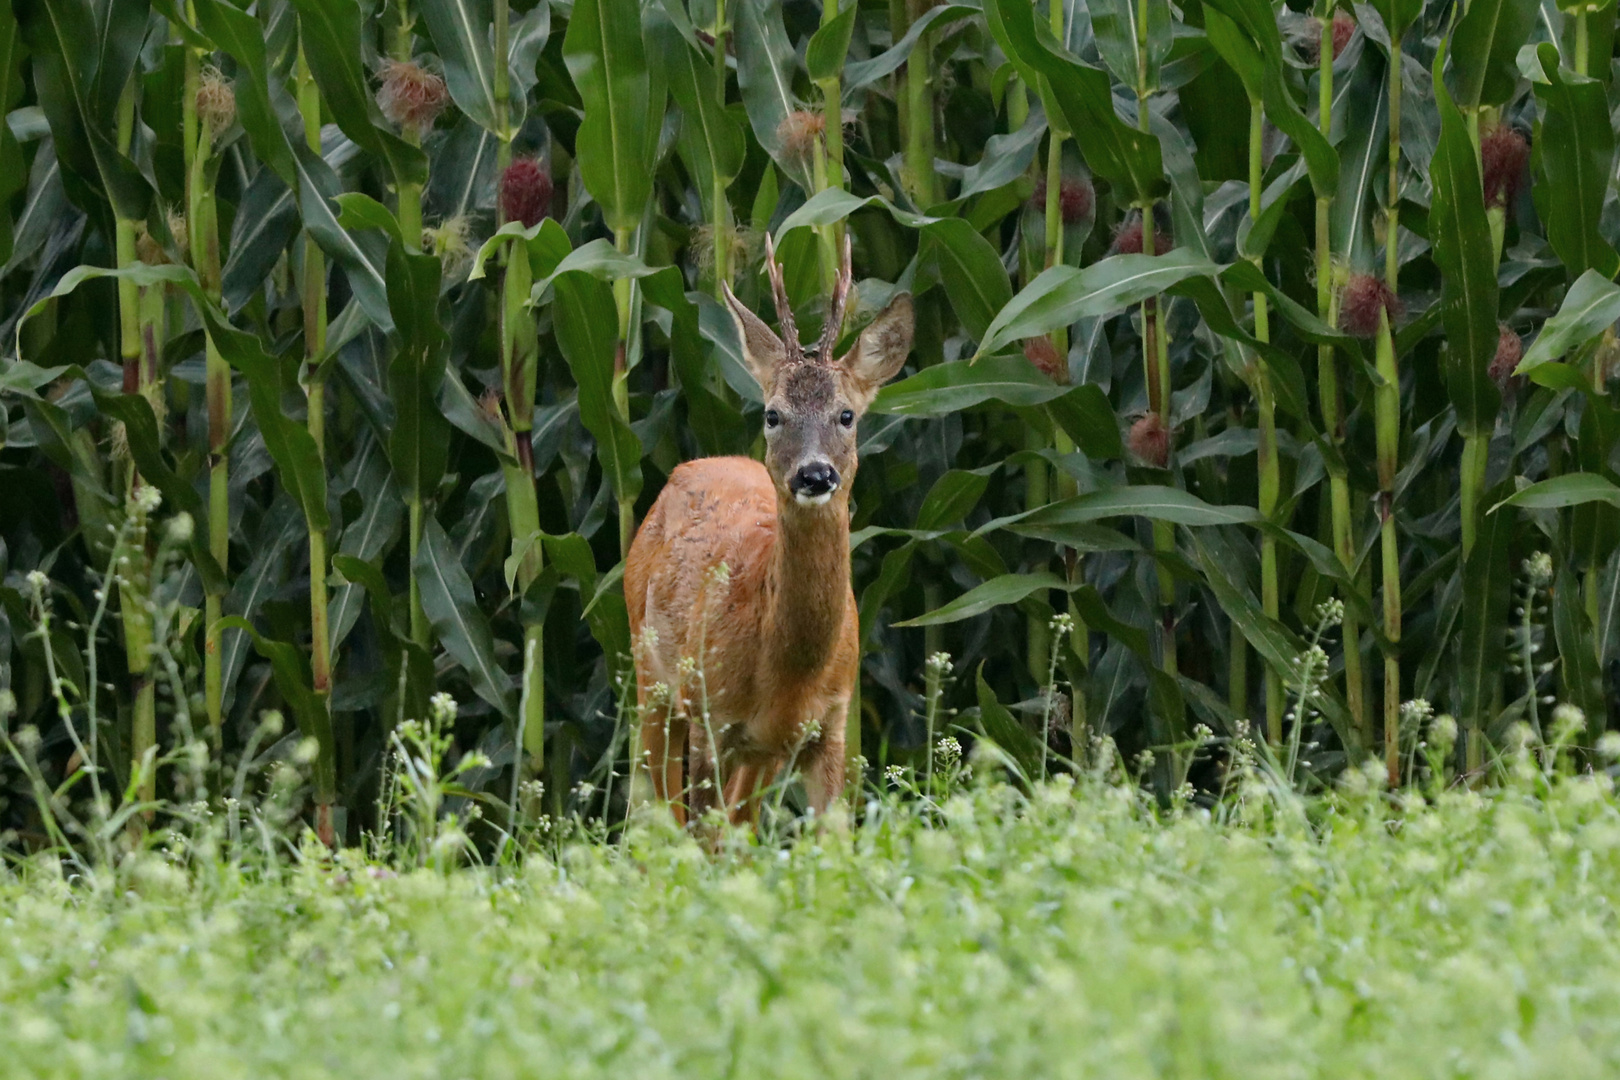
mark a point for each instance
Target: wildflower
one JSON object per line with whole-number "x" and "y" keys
{"x": 1044, "y": 355}
{"x": 1365, "y": 296}
{"x": 443, "y": 708}
{"x": 1076, "y": 198}
{"x": 1503, "y": 154}
{"x": 180, "y": 528}
{"x": 38, "y": 582}
{"x": 1149, "y": 441}
{"x": 1203, "y": 732}
{"x": 1330, "y": 612}
{"x": 216, "y": 102}
{"x": 1416, "y": 711}
{"x": 411, "y": 96}
{"x": 1509, "y": 351}
{"x": 1128, "y": 240}
{"x": 947, "y": 752}
{"x": 1538, "y": 569}
{"x": 1608, "y": 744}
{"x": 306, "y": 751}
{"x": 1567, "y": 722}
{"x": 894, "y": 774}
{"x": 1063, "y": 623}
{"x": 525, "y": 192}
{"x": 1445, "y": 729}
{"x": 939, "y": 664}
{"x": 147, "y": 499}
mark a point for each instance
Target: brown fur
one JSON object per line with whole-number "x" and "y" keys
{"x": 770, "y": 643}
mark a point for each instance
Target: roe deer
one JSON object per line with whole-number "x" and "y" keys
{"x": 738, "y": 583}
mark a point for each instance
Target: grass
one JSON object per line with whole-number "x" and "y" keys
{"x": 1076, "y": 931}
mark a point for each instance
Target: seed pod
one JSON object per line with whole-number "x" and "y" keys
{"x": 1149, "y": 441}
{"x": 1044, "y": 355}
{"x": 1509, "y": 351}
{"x": 1128, "y": 240}
{"x": 411, "y": 96}
{"x": 799, "y": 133}
{"x": 1364, "y": 296}
{"x": 1503, "y": 153}
{"x": 525, "y": 192}
{"x": 216, "y": 102}
{"x": 1076, "y": 197}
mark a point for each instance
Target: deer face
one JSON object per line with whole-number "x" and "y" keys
{"x": 812, "y": 403}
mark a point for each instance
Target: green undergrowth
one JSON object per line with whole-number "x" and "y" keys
{"x": 1077, "y": 930}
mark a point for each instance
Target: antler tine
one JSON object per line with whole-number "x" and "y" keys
{"x": 784, "y": 308}
{"x": 837, "y": 305}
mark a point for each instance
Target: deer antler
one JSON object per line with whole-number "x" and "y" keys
{"x": 837, "y": 304}
{"x": 784, "y": 309}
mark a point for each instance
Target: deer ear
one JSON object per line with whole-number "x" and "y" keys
{"x": 762, "y": 350}
{"x": 881, "y": 350}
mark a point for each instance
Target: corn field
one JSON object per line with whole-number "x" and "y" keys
{"x": 1260, "y": 381}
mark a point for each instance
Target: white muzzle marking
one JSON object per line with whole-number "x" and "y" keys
{"x": 813, "y": 500}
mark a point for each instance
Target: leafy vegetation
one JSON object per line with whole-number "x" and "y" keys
{"x": 346, "y": 342}
{"x": 1075, "y": 931}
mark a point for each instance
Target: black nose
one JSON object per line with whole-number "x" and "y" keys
{"x": 816, "y": 478}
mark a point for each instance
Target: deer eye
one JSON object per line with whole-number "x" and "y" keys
{"x": 847, "y": 418}
{"x": 773, "y": 419}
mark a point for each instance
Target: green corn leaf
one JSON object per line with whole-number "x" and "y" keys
{"x": 624, "y": 106}
{"x": 829, "y": 45}
{"x": 953, "y": 497}
{"x": 266, "y": 116}
{"x": 458, "y": 622}
{"x": 1591, "y": 306}
{"x": 291, "y": 670}
{"x": 84, "y": 55}
{"x": 461, "y": 31}
{"x": 862, "y": 73}
{"x": 587, "y": 325}
{"x": 1063, "y": 295}
{"x": 1571, "y": 489}
{"x": 712, "y": 142}
{"x": 765, "y": 68}
{"x": 1487, "y": 591}
{"x": 1000, "y": 726}
{"x": 282, "y": 531}
{"x": 331, "y": 32}
{"x": 1579, "y": 672}
{"x": 975, "y": 280}
{"x": 997, "y": 592}
{"x": 1466, "y": 255}
{"x": 1484, "y": 50}
{"x": 1082, "y": 94}
{"x": 417, "y": 444}
{"x": 948, "y": 388}
{"x": 1134, "y": 61}
{"x": 1085, "y": 414}
{"x": 1576, "y": 147}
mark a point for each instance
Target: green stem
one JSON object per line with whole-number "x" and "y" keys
{"x": 523, "y": 509}
{"x": 1387, "y": 405}
{"x": 1392, "y": 212}
{"x": 314, "y": 305}
{"x": 832, "y": 113}
{"x": 1265, "y": 401}
{"x": 1037, "y": 493}
{"x": 720, "y": 206}
{"x": 502, "y": 86}
{"x": 421, "y": 631}
{"x": 1583, "y": 44}
{"x": 1387, "y": 408}
{"x": 623, "y": 297}
{"x": 919, "y": 120}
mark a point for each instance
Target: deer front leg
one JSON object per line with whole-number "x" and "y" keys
{"x": 821, "y": 763}
{"x": 663, "y": 746}
{"x": 743, "y": 792}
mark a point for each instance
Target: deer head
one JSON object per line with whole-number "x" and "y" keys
{"x": 812, "y": 401}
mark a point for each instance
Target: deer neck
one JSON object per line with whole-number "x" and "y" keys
{"x": 808, "y": 587}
